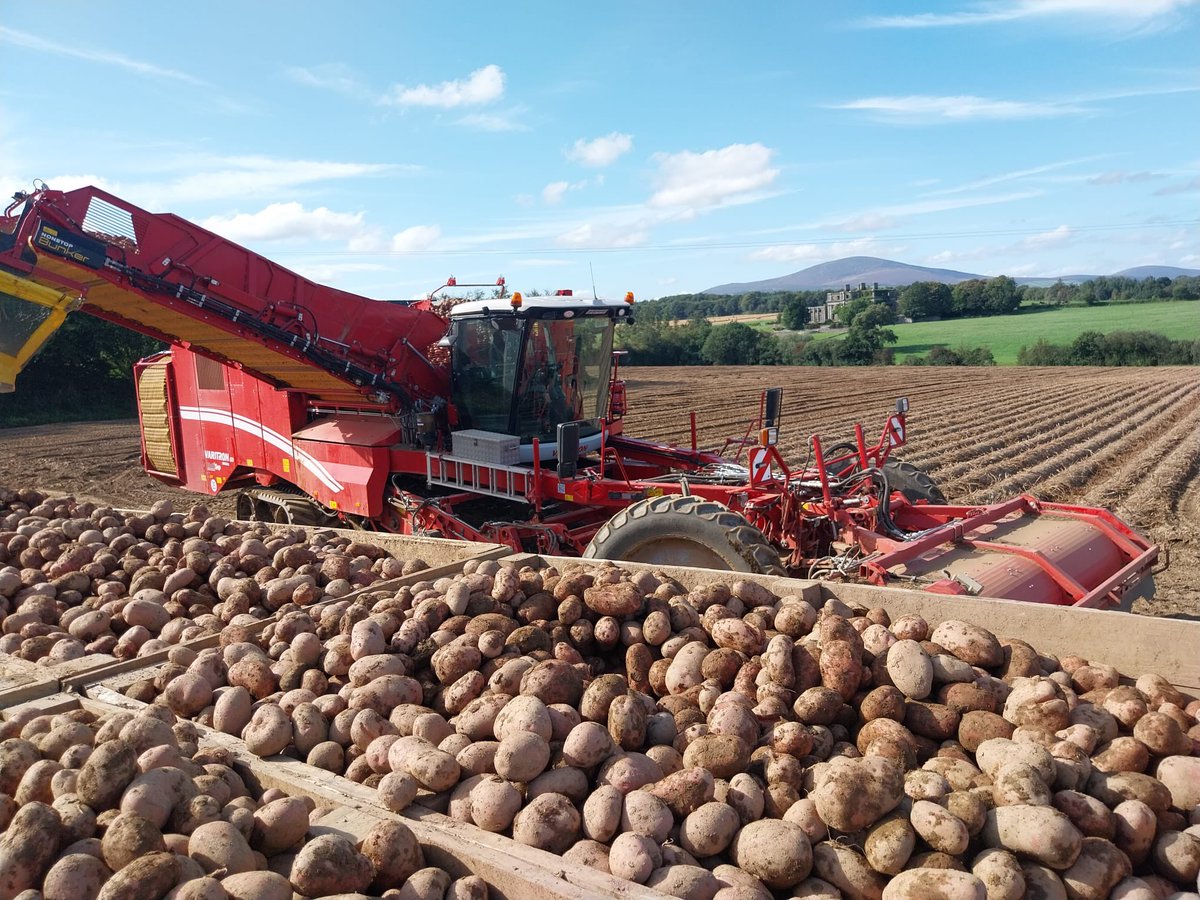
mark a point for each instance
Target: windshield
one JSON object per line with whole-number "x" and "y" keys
{"x": 526, "y": 377}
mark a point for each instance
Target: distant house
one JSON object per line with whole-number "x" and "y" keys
{"x": 820, "y": 315}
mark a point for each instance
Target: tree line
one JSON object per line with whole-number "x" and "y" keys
{"x": 1117, "y": 348}
{"x": 84, "y": 372}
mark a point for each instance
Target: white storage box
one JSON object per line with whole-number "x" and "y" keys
{"x": 487, "y": 446}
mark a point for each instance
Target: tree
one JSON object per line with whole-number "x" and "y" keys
{"x": 847, "y": 311}
{"x": 794, "y": 315}
{"x": 925, "y": 299}
{"x": 1000, "y": 296}
{"x": 739, "y": 345}
{"x": 967, "y": 297}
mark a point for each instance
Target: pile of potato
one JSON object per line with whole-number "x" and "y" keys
{"x": 724, "y": 742}
{"x": 76, "y": 578}
{"x": 129, "y": 807}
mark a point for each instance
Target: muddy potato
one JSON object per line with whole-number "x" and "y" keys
{"x": 935, "y": 884}
{"x": 549, "y": 822}
{"x": 1040, "y": 832}
{"x": 633, "y": 857}
{"x": 75, "y": 876}
{"x": 889, "y": 845}
{"x": 685, "y": 881}
{"x": 330, "y": 864}
{"x": 776, "y": 852}
{"x": 602, "y": 813}
{"x": 939, "y": 828}
{"x": 1099, "y": 867}
{"x": 1000, "y": 873}
{"x": 248, "y": 886}
{"x": 853, "y": 794}
{"x": 151, "y": 875}
{"x": 268, "y": 732}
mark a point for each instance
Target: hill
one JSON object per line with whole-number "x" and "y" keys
{"x": 855, "y": 270}
{"x": 840, "y": 272}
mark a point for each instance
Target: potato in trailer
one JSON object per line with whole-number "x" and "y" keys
{"x": 318, "y": 405}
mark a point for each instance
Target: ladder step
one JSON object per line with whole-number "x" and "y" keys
{"x": 468, "y": 474}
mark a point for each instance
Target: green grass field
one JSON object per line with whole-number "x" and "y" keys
{"x": 1005, "y": 335}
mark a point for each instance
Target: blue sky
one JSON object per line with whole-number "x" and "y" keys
{"x": 668, "y": 146}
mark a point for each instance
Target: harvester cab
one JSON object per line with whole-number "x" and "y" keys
{"x": 523, "y": 366}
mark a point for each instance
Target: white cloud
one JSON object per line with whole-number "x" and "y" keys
{"x": 287, "y": 221}
{"x": 963, "y": 108}
{"x": 330, "y": 273}
{"x": 603, "y": 235}
{"x": 1146, "y": 14}
{"x": 482, "y": 86}
{"x": 555, "y": 191}
{"x": 1016, "y": 175}
{"x": 103, "y": 57}
{"x": 1058, "y": 236}
{"x": 327, "y": 76}
{"x": 416, "y": 238}
{"x": 219, "y": 178}
{"x": 816, "y": 252}
{"x": 714, "y": 177}
{"x": 603, "y": 151}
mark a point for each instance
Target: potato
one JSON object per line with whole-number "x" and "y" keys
{"x": 589, "y": 853}
{"x": 279, "y": 825}
{"x": 587, "y": 745}
{"x": 28, "y": 846}
{"x": 1040, "y": 832}
{"x": 330, "y": 864}
{"x": 268, "y": 732}
{"x": 644, "y": 813}
{"x": 1099, "y": 867}
{"x": 847, "y": 870}
{"x": 256, "y": 886}
{"x": 691, "y": 882}
{"x": 396, "y": 790}
{"x": 220, "y": 845}
{"x": 523, "y": 714}
{"x": 724, "y": 755}
{"x": 494, "y": 803}
{"x": 1000, "y": 873}
{"x": 852, "y": 794}
{"x": 1176, "y": 856}
{"x": 425, "y": 884}
{"x": 633, "y": 857}
{"x": 939, "y": 828}
{"x": 105, "y": 775}
{"x": 394, "y": 854}
{"x": 602, "y": 813}
{"x": 549, "y": 822}
{"x": 686, "y": 790}
{"x": 935, "y": 884}
{"x": 1180, "y": 775}
{"x": 127, "y": 837}
{"x": 145, "y": 878}
{"x": 910, "y": 669}
{"x": 521, "y": 756}
{"x": 778, "y": 853}
{"x": 75, "y": 876}
{"x": 889, "y": 845}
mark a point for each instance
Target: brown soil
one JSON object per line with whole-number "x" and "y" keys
{"x": 1127, "y": 439}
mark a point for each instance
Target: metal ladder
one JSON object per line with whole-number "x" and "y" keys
{"x": 493, "y": 479}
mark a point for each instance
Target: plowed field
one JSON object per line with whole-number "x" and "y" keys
{"x": 1127, "y": 439}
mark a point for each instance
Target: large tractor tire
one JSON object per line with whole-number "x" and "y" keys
{"x": 676, "y": 530}
{"x": 914, "y": 484}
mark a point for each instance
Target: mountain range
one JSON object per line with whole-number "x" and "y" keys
{"x": 855, "y": 270}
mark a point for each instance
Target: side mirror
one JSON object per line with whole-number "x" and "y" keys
{"x": 568, "y": 450}
{"x": 774, "y": 406}
{"x": 902, "y": 405}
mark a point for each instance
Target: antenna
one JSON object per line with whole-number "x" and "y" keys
{"x": 593, "y": 274}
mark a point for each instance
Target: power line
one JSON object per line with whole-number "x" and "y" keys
{"x": 736, "y": 245}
